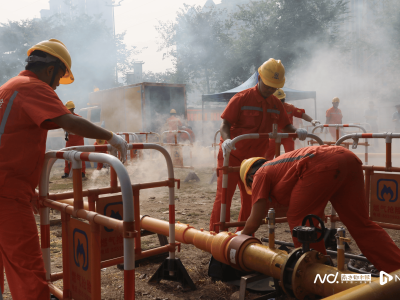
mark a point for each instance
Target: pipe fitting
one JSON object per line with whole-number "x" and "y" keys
{"x": 218, "y": 246}
{"x": 235, "y": 250}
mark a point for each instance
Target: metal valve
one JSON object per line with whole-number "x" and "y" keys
{"x": 308, "y": 234}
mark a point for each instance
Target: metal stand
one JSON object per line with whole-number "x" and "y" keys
{"x": 179, "y": 273}
{"x": 213, "y": 178}
{"x": 248, "y": 279}
{"x": 192, "y": 176}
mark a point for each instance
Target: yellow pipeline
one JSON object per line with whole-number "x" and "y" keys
{"x": 257, "y": 257}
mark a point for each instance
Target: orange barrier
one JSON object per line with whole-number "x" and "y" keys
{"x": 82, "y": 257}
{"x": 176, "y": 149}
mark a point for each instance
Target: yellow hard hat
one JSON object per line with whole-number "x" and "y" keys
{"x": 70, "y": 104}
{"x": 272, "y": 73}
{"x": 280, "y": 94}
{"x": 173, "y": 111}
{"x": 244, "y": 169}
{"x": 336, "y": 99}
{"x": 100, "y": 142}
{"x": 57, "y": 49}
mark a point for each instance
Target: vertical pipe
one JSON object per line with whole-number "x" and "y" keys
{"x": 271, "y": 227}
{"x": 113, "y": 178}
{"x": 92, "y": 202}
{"x": 45, "y": 239}
{"x": 136, "y": 205}
{"x": 95, "y": 260}
{"x": 171, "y": 191}
{"x": 277, "y": 147}
{"x": 337, "y": 133}
{"x": 366, "y": 152}
{"x": 368, "y": 174}
{"x": 131, "y": 151}
{"x": 176, "y": 138}
{"x": 388, "y": 152}
{"x": 340, "y": 249}
{"x": 65, "y": 218}
{"x": 77, "y": 186}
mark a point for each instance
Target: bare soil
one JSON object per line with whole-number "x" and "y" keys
{"x": 194, "y": 203}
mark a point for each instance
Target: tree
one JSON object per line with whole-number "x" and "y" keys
{"x": 284, "y": 30}
{"x": 198, "y": 42}
{"x": 88, "y": 40}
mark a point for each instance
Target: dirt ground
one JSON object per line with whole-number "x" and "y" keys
{"x": 194, "y": 203}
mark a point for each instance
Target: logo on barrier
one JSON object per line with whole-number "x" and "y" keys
{"x": 387, "y": 190}
{"x": 81, "y": 249}
{"x": 113, "y": 212}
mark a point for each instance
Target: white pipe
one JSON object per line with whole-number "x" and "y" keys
{"x": 176, "y": 132}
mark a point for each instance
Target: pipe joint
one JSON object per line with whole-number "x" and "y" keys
{"x": 129, "y": 230}
{"x": 219, "y": 244}
{"x": 235, "y": 250}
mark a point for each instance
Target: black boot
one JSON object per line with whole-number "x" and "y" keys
{"x": 66, "y": 175}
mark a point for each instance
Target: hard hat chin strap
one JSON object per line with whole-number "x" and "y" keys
{"x": 55, "y": 71}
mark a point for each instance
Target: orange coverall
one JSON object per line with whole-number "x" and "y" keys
{"x": 185, "y": 137}
{"x": 27, "y": 104}
{"x": 288, "y": 143}
{"x": 335, "y": 117}
{"x": 74, "y": 140}
{"x": 305, "y": 179}
{"x": 173, "y": 124}
{"x": 247, "y": 112}
{"x": 100, "y": 165}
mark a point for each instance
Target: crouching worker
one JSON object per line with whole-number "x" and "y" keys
{"x": 304, "y": 180}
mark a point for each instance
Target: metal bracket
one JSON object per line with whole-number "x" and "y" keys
{"x": 355, "y": 143}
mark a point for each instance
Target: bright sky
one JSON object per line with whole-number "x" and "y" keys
{"x": 137, "y": 18}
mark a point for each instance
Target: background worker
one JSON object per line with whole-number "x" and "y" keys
{"x": 371, "y": 117}
{"x": 100, "y": 142}
{"x": 254, "y": 110}
{"x": 396, "y": 119}
{"x": 73, "y": 140}
{"x": 304, "y": 180}
{"x": 334, "y": 116}
{"x": 30, "y": 107}
{"x": 173, "y": 123}
{"x": 292, "y": 111}
{"x": 184, "y": 137}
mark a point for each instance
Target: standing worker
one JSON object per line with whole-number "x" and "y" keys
{"x": 100, "y": 142}
{"x": 396, "y": 119}
{"x": 173, "y": 123}
{"x": 73, "y": 140}
{"x": 29, "y": 108}
{"x": 305, "y": 180}
{"x": 254, "y": 110}
{"x": 334, "y": 116}
{"x": 292, "y": 111}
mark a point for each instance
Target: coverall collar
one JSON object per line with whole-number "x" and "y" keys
{"x": 260, "y": 97}
{"x": 27, "y": 73}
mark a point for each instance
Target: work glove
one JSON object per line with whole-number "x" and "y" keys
{"x": 315, "y": 122}
{"x": 227, "y": 144}
{"x": 301, "y": 133}
{"x": 120, "y": 144}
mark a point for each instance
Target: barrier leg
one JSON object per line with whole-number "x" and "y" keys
{"x": 92, "y": 202}
{"x": 95, "y": 260}
{"x": 136, "y": 203}
{"x": 65, "y": 218}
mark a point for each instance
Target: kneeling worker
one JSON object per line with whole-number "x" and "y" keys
{"x": 29, "y": 107}
{"x": 292, "y": 111}
{"x": 304, "y": 180}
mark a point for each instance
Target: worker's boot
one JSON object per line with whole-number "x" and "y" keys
{"x": 84, "y": 177}
{"x": 66, "y": 175}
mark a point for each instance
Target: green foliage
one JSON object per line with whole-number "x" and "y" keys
{"x": 224, "y": 50}
{"x": 93, "y": 49}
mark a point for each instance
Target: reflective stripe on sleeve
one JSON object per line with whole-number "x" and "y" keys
{"x": 6, "y": 114}
{"x": 290, "y": 159}
{"x": 251, "y": 108}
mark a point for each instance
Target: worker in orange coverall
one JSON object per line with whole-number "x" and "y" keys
{"x": 173, "y": 123}
{"x": 100, "y": 142}
{"x": 73, "y": 140}
{"x": 334, "y": 116}
{"x": 29, "y": 107}
{"x": 254, "y": 110}
{"x": 292, "y": 111}
{"x": 305, "y": 180}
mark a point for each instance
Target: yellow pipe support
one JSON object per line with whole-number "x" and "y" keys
{"x": 247, "y": 253}
{"x": 372, "y": 291}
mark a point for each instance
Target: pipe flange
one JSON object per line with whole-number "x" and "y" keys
{"x": 308, "y": 258}
{"x": 236, "y": 248}
{"x": 287, "y": 271}
{"x": 218, "y": 246}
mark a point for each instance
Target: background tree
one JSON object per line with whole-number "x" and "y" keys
{"x": 198, "y": 43}
{"x": 93, "y": 49}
